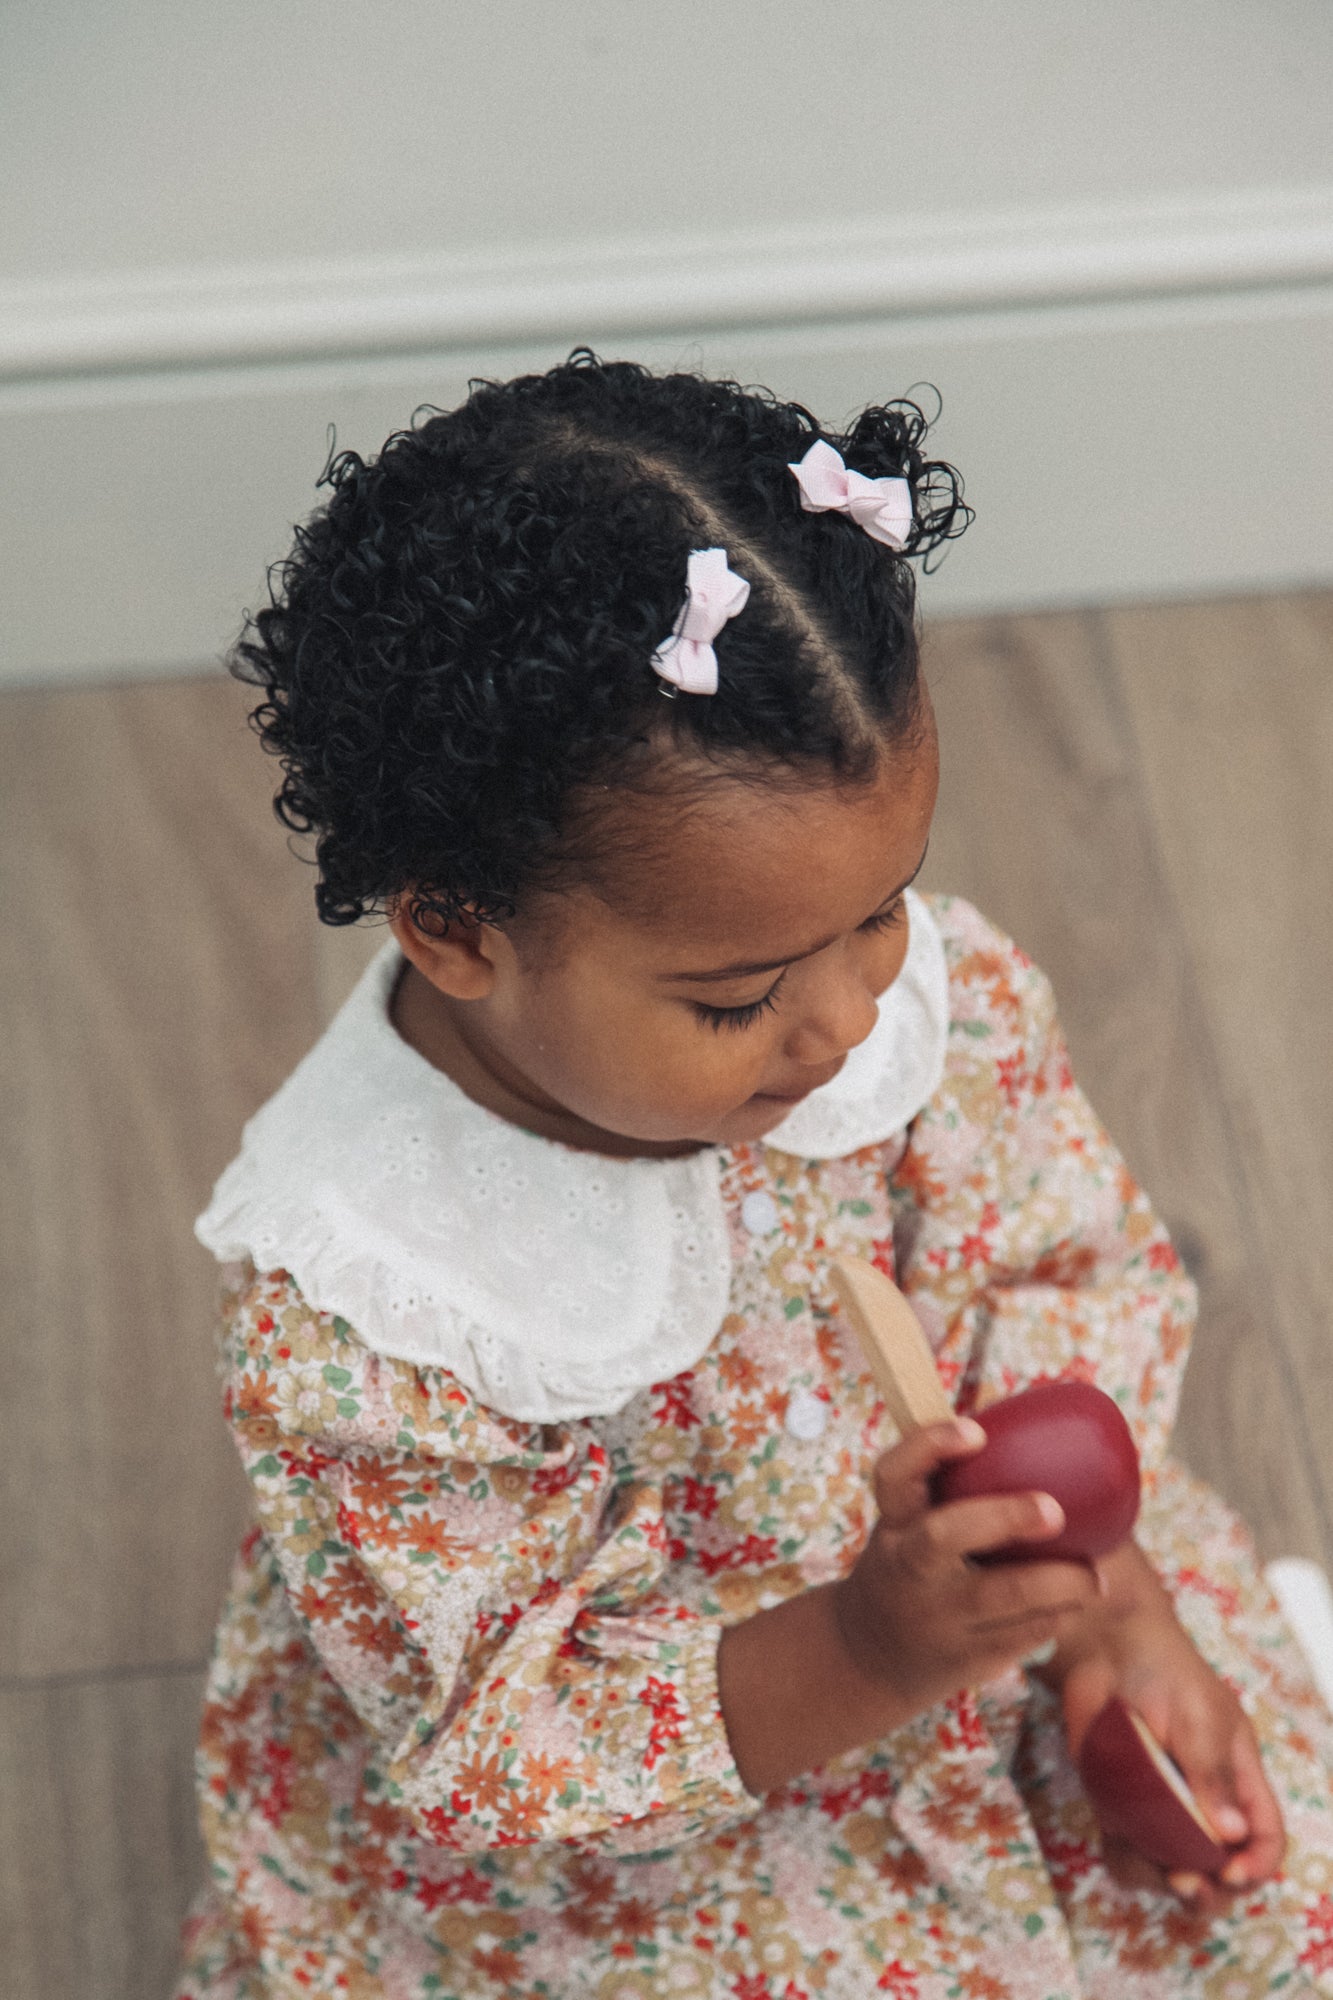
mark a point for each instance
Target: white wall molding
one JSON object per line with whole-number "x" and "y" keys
{"x": 1115, "y": 449}
{"x": 850, "y": 270}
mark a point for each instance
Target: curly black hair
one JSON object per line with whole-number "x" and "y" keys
{"x": 458, "y": 649}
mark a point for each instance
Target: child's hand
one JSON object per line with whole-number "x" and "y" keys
{"x": 915, "y": 1614}
{"x": 1143, "y": 1655}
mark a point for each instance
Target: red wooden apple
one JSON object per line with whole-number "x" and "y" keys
{"x": 1140, "y": 1794}
{"x": 1063, "y": 1438}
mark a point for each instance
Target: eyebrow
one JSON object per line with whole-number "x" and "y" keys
{"x": 717, "y": 974}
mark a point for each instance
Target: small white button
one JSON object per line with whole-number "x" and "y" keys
{"x": 759, "y": 1213}
{"x": 807, "y": 1414}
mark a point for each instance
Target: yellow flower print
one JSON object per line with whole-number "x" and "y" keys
{"x": 306, "y": 1401}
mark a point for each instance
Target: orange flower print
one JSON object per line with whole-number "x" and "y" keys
{"x": 484, "y": 1782}
{"x": 255, "y": 1396}
{"x": 378, "y": 1483}
{"x": 544, "y": 1775}
{"x": 381, "y": 1636}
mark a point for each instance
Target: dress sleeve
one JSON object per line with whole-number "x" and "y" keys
{"x": 482, "y": 1590}
{"x": 1025, "y": 1244}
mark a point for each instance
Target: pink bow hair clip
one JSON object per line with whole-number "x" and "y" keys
{"x": 713, "y": 594}
{"x": 883, "y": 507}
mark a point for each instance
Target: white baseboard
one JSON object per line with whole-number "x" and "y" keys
{"x": 847, "y": 268}
{"x": 1170, "y": 445}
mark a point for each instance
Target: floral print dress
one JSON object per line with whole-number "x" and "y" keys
{"x": 462, "y": 1736}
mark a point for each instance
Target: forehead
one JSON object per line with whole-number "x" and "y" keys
{"x": 728, "y": 870}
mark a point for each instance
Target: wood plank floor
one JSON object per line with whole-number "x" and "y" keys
{"x": 1143, "y": 797}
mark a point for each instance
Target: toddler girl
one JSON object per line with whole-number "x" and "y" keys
{"x": 591, "y": 1641}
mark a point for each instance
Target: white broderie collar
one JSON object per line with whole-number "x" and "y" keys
{"x": 555, "y": 1284}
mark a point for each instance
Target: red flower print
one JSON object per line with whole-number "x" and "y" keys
{"x": 674, "y": 1406}
{"x": 850, "y": 1798}
{"x": 969, "y": 1732}
{"x": 553, "y": 1479}
{"x": 1318, "y": 1953}
{"x": 275, "y": 1800}
{"x": 1223, "y": 1595}
{"x": 693, "y": 1496}
{"x": 899, "y": 1980}
{"x": 1012, "y": 1073}
{"x": 307, "y": 1463}
{"x": 465, "y": 1887}
{"x": 442, "y": 1826}
{"x": 1065, "y": 1265}
{"x": 663, "y": 1704}
{"x": 881, "y": 1256}
{"x": 755, "y": 1549}
{"x": 1067, "y": 1861}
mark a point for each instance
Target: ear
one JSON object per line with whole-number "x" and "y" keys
{"x": 460, "y": 962}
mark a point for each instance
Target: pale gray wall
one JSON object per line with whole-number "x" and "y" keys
{"x": 1106, "y": 232}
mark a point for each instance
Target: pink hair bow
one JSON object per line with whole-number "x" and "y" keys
{"x": 883, "y": 507}
{"x": 713, "y": 594}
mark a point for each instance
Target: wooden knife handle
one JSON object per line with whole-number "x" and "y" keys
{"x": 895, "y": 1347}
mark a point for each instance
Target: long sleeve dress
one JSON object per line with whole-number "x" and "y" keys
{"x": 462, "y": 1734}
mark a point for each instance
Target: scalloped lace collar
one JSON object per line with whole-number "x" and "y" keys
{"x": 554, "y": 1284}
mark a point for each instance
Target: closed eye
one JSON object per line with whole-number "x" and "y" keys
{"x": 888, "y": 918}
{"x": 740, "y": 1017}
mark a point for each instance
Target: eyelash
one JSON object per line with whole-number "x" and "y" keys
{"x": 740, "y": 1017}
{"x": 745, "y": 1017}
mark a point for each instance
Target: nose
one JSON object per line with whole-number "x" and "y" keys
{"x": 840, "y": 1011}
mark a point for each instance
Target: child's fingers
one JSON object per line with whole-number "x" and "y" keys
{"x": 902, "y": 1475}
{"x": 975, "y": 1527}
{"x": 1265, "y": 1836}
{"x": 1016, "y": 1595}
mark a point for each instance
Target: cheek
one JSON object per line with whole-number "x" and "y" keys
{"x": 654, "y": 1058}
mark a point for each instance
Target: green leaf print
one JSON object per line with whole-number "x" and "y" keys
{"x": 276, "y": 1868}
{"x": 315, "y": 1564}
{"x": 337, "y": 1378}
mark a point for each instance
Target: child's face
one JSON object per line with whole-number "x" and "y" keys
{"x": 597, "y": 1026}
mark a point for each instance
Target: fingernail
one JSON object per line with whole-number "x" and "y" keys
{"x": 1235, "y": 1874}
{"x": 970, "y": 1431}
{"x": 1187, "y": 1886}
{"x": 1052, "y": 1513}
{"x": 1232, "y": 1825}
